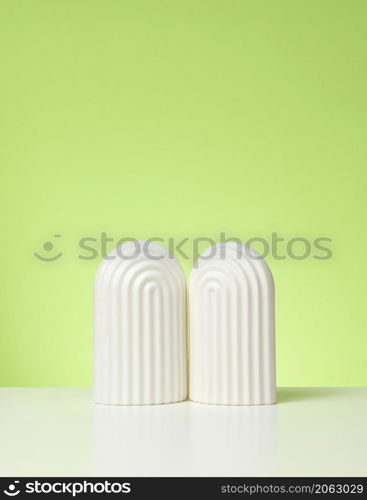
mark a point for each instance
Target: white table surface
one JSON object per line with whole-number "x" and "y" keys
{"x": 61, "y": 432}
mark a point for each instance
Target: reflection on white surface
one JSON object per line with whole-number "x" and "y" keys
{"x": 186, "y": 438}
{"x": 48, "y": 432}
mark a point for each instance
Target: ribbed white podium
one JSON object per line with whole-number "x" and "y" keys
{"x": 139, "y": 327}
{"x": 232, "y": 332}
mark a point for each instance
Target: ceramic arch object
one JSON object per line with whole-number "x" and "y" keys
{"x": 139, "y": 327}
{"x": 232, "y": 334}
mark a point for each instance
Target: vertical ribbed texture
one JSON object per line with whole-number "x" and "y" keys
{"x": 139, "y": 327}
{"x": 232, "y": 331}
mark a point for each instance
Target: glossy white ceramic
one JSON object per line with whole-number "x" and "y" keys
{"x": 232, "y": 344}
{"x": 139, "y": 327}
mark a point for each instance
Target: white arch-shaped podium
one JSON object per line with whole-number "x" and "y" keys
{"x": 139, "y": 327}
{"x": 232, "y": 332}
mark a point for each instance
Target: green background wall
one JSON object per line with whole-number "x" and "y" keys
{"x": 182, "y": 118}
